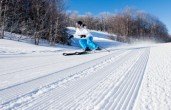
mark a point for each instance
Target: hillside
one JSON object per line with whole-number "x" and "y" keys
{"x": 128, "y": 77}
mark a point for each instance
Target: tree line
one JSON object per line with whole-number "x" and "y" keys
{"x": 128, "y": 25}
{"x": 48, "y": 19}
{"x": 40, "y": 19}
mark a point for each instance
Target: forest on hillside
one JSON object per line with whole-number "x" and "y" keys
{"x": 48, "y": 19}
{"x": 40, "y": 19}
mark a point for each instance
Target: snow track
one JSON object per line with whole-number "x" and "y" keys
{"x": 111, "y": 93}
{"x": 109, "y": 82}
{"x": 18, "y": 90}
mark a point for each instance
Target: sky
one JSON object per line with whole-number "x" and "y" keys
{"x": 158, "y": 8}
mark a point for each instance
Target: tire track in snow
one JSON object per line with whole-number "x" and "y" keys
{"x": 18, "y": 90}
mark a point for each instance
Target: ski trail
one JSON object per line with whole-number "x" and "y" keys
{"x": 109, "y": 90}
{"x": 109, "y": 76}
{"x": 127, "y": 96}
{"x": 23, "y": 70}
{"x": 104, "y": 88}
{"x": 110, "y": 82}
{"x": 10, "y": 100}
{"x": 55, "y": 99}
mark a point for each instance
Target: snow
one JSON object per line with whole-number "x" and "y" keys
{"x": 129, "y": 77}
{"x": 156, "y": 88}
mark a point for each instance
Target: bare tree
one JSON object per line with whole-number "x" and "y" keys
{"x": 3, "y": 12}
{"x": 42, "y": 19}
{"x": 2, "y": 32}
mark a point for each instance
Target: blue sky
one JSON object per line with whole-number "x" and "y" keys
{"x": 159, "y": 8}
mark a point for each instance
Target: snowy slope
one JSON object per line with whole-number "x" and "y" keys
{"x": 155, "y": 92}
{"x": 129, "y": 77}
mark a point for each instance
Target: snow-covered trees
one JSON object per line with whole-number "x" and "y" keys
{"x": 37, "y": 18}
